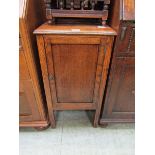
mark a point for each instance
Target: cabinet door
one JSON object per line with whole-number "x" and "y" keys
{"x": 28, "y": 110}
{"x": 75, "y": 68}
{"x": 120, "y": 97}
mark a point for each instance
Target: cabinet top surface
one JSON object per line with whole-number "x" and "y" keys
{"x": 75, "y": 29}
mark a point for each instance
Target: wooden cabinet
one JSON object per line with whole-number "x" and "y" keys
{"x": 119, "y": 99}
{"x": 74, "y": 62}
{"x": 32, "y": 105}
{"x": 119, "y": 104}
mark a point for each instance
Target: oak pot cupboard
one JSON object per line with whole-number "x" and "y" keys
{"x": 74, "y": 62}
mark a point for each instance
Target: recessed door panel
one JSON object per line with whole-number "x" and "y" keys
{"x": 75, "y": 70}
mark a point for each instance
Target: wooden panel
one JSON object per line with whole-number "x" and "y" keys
{"x": 125, "y": 93}
{"x": 128, "y": 9}
{"x": 120, "y": 99}
{"x": 28, "y": 106}
{"x": 125, "y": 43}
{"x": 75, "y": 70}
{"x": 72, "y": 69}
{"x": 23, "y": 69}
{"x": 24, "y": 108}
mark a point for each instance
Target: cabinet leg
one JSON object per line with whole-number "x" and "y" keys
{"x": 95, "y": 123}
{"x": 96, "y": 118}
{"x": 53, "y": 125}
{"x": 52, "y": 120}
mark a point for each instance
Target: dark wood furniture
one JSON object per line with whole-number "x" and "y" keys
{"x": 32, "y": 112}
{"x": 77, "y": 9}
{"x": 74, "y": 62}
{"x": 119, "y": 99}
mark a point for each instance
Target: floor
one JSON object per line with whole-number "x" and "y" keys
{"x": 74, "y": 135}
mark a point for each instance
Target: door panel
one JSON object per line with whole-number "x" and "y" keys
{"x": 73, "y": 69}
{"x": 120, "y": 100}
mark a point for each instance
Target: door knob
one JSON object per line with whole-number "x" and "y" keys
{"x": 51, "y": 77}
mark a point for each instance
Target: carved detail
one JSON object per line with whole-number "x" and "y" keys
{"x": 78, "y": 8}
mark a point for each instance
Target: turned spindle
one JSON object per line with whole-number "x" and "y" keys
{"x": 105, "y": 7}
{"x": 82, "y": 5}
{"x": 48, "y": 10}
{"x": 72, "y": 5}
{"x": 61, "y": 4}
{"x": 77, "y": 9}
{"x": 93, "y": 4}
